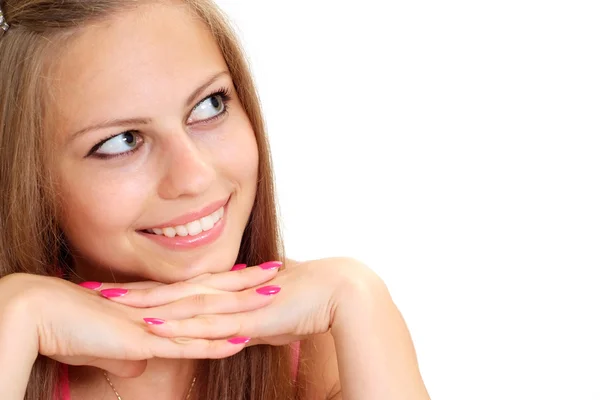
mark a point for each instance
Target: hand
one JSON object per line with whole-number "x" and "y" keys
{"x": 78, "y": 326}
{"x": 306, "y": 305}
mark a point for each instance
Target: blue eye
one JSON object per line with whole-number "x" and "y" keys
{"x": 209, "y": 108}
{"x": 117, "y": 145}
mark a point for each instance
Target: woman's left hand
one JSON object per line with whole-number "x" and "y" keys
{"x": 306, "y": 296}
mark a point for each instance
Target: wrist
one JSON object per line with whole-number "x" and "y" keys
{"x": 18, "y": 344}
{"x": 18, "y": 314}
{"x": 360, "y": 295}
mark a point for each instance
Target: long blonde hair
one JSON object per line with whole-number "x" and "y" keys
{"x": 30, "y": 239}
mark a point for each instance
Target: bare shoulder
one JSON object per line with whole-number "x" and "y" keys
{"x": 332, "y": 261}
{"x": 341, "y": 271}
{"x": 290, "y": 263}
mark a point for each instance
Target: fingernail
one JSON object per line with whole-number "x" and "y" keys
{"x": 108, "y": 293}
{"x": 239, "y": 340}
{"x": 271, "y": 265}
{"x": 268, "y": 290}
{"x": 90, "y": 285}
{"x": 154, "y": 321}
{"x": 237, "y": 267}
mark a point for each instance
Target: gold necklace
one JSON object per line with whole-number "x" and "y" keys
{"x": 187, "y": 397}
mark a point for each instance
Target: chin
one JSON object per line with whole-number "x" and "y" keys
{"x": 172, "y": 270}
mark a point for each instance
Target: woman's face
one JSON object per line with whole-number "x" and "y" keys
{"x": 156, "y": 160}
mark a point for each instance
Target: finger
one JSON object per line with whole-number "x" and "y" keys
{"x": 157, "y": 295}
{"x": 223, "y": 303}
{"x": 232, "y": 281}
{"x": 140, "y": 294}
{"x": 200, "y": 327}
{"x": 121, "y": 368}
{"x": 92, "y": 285}
{"x": 240, "y": 279}
{"x": 217, "y": 327}
{"x": 196, "y": 348}
{"x": 220, "y": 327}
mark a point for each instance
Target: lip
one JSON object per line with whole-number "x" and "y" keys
{"x": 187, "y": 218}
{"x": 191, "y": 242}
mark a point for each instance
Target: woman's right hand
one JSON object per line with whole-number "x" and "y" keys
{"x": 78, "y": 326}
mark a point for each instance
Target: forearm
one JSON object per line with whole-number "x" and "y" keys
{"x": 376, "y": 357}
{"x": 18, "y": 352}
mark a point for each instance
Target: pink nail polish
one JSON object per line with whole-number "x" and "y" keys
{"x": 108, "y": 293}
{"x": 90, "y": 285}
{"x": 237, "y": 267}
{"x": 268, "y": 290}
{"x": 239, "y": 340}
{"x": 271, "y": 265}
{"x": 154, "y": 321}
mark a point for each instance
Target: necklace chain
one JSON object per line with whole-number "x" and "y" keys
{"x": 187, "y": 397}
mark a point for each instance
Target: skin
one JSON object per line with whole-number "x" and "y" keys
{"x": 140, "y": 65}
{"x": 127, "y": 68}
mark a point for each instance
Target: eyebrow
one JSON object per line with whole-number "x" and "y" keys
{"x": 145, "y": 121}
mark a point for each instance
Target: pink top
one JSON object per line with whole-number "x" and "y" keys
{"x": 63, "y": 386}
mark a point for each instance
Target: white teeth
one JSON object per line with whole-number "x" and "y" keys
{"x": 181, "y": 230}
{"x": 169, "y": 232}
{"x": 192, "y": 228}
{"x": 207, "y": 223}
{"x": 217, "y": 215}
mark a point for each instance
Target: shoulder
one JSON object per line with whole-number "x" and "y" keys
{"x": 346, "y": 263}
{"x": 344, "y": 271}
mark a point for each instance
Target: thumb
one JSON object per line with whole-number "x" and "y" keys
{"x": 121, "y": 368}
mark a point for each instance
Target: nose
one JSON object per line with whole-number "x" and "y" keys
{"x": 188, "y": 170}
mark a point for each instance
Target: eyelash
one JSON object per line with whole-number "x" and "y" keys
{"x": 223, "y": 93}
{"x": 92, "y": 152}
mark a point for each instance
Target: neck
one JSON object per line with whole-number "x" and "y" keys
{"x": 162, "y": 380}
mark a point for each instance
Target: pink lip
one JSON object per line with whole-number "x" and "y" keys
{"x": 184, "y": 219}
{"x": 190, "y": 242}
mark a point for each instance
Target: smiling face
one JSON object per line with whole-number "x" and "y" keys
{"x": 150, "y": 142}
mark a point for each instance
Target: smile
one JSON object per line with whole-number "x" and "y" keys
{"x": 193, "y": 228}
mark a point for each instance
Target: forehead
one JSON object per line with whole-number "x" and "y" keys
{"x": 132, "y": 63}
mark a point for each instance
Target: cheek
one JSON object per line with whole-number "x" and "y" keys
{"x": 96, "y": 207}
{"x": 243, "y": 162}
{"x": 237, "y": 157}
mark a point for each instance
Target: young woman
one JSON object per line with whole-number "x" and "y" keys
{"x": 132, "y": 150}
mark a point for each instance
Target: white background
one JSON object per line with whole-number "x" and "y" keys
{"x": 453, "y": 146}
